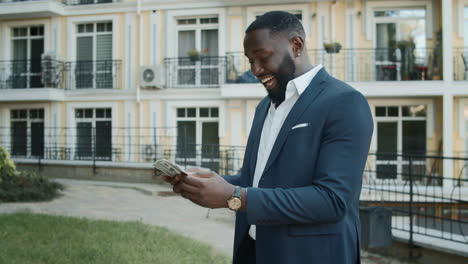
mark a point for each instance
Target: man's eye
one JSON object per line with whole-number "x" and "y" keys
{"x": 265, "y": 58}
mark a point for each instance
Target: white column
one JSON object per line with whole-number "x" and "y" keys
{"x": 55, "y": 34}
{"x": 129, "y": 47}
{"x": 448, "y": 140}
{"x": 447, "y": 40}
{"x": 155, "y": 38}
{"x": 448, "y": 97}
{"x": 2, "y": 43}
{"x": 130, "y": 135}
{"x": 5, "y": 127}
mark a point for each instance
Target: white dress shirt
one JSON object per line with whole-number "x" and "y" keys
{"x": 274, "y": 121}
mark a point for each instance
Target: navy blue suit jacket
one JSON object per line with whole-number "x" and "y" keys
{"x": 306, "y": 207}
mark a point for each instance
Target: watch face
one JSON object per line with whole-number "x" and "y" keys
{"x": 234, "y": 203}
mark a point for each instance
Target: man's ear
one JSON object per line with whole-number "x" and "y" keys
{"x": 297, "y": 42}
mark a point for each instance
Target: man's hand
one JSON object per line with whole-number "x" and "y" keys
{"x": 174, "y": 180}
{"x": 204, "y": 188}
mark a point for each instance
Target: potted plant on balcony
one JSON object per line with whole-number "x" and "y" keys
{"x": 332, "y": 47}
{"x": 435, "y": 59}
{"x": 193, "y": 54}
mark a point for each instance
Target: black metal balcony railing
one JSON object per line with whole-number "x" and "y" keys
{"x": 460, "y": 64}
{"x": 119, "y": 144}
{"x": 357, "y": 65}
{"x": 24, "y": 74}
{"x": 98, "y": 74}
{"x": 36, "y": 73}
{"x": 423, "y": 200}
{"x": 187, "y": 72}
{"x": 89, "y": 2}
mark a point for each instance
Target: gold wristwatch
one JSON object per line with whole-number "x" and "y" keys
{"x": 234, "y": 203}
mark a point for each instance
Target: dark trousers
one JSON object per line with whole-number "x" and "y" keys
{"x": 246, "y": 252}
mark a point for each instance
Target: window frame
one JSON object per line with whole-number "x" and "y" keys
{"x": 253, "y": 11}
{"x": 73, "y": 30}
{"x": 171, "y": 22}
{"x": 370, "y": 6}
{"x": 399, "y": 161}
{"x": 29, "y": 120}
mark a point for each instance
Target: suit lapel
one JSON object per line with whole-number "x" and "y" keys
{"x": 307, "y": 97}
{"x": 256, "y": 134}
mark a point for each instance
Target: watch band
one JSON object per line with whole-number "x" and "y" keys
{"x": 237, "y": 192}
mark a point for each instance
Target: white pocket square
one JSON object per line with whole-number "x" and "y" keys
{"x": 300, "y": 125}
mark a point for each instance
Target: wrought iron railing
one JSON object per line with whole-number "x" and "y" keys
{"x": 460, "y": 64}
{"x": 93, "y": 74}
{"x": 356, "y": 65}
{"x": 35, "y": 73}
{"x": 196, "y": 72}
{"x": 423, "y": 200}
{"x": 118, "y": 144}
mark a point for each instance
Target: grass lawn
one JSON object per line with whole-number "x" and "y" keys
{"x": 27, "y": 238}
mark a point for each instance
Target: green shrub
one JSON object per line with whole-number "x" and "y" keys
{"x": 22, "y": 185}
{"x": 7, "y": 166}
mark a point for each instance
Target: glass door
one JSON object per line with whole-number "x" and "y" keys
{"x": 210, "y": 146}
{"x": 387, "y": 146}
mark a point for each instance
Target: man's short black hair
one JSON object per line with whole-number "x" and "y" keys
{"x": 277, "y": 22}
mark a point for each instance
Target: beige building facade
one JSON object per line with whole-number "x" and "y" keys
{"x": 123, "y": 80}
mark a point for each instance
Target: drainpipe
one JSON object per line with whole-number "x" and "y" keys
{"x": 332, "y": 36}
{"x": 140, "y": 62}
{"x": 332, "y": 21}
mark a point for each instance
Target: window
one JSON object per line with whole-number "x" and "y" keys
{"x": 400, "y": 130}
{"x": 296, "y": 13}
{"x": 197, "y": 137}
{"x": 27, "y": 132}
{"x": 465, "y": 26}
{"x": 400, "y": 42}
{"x": 94, "y": 66}
{"x": 27, "y": 49}
{"x": 94, "y": 133}
{"x": 198, "y": 61}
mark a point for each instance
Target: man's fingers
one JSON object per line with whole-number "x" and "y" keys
{"x": 183, "y": 187}
{"x": 176, "y": 179}
{"x": 167, "y": 178}
{"x": 194, "y": 181}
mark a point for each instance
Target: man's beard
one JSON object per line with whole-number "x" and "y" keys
{"x": 285, "y": 74}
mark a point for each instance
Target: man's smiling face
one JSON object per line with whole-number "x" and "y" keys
{"x": 270, "y": 61}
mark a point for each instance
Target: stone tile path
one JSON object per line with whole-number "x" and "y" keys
{"x": 151, "y": 204}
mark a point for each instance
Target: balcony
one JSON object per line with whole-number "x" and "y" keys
{"x": 30, "y": 74}
{"x": 14, "y": 9}
{"x": 356, "y": 65}
{"x": 46, "y": 79}
{"x": 201, "y": 72}
{"x": 96, "y": 74}
{"x": 460, "y": 64}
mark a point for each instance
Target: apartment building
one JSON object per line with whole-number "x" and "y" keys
{"x": 118, "y": 80}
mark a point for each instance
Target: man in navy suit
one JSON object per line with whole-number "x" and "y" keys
{"x": 297, "y": 195}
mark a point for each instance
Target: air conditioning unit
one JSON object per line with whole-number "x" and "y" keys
{"x": 50, "y": 74}
{"x": 151, "y": 76}
{"x": 149, "y": 152}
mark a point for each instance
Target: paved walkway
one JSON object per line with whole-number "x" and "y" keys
{"x": 151, "y": 204}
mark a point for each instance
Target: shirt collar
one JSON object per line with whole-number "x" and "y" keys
{"x": 301, "y": 82}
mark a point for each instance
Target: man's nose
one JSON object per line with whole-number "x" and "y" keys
{"x": 257, "y": 69}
